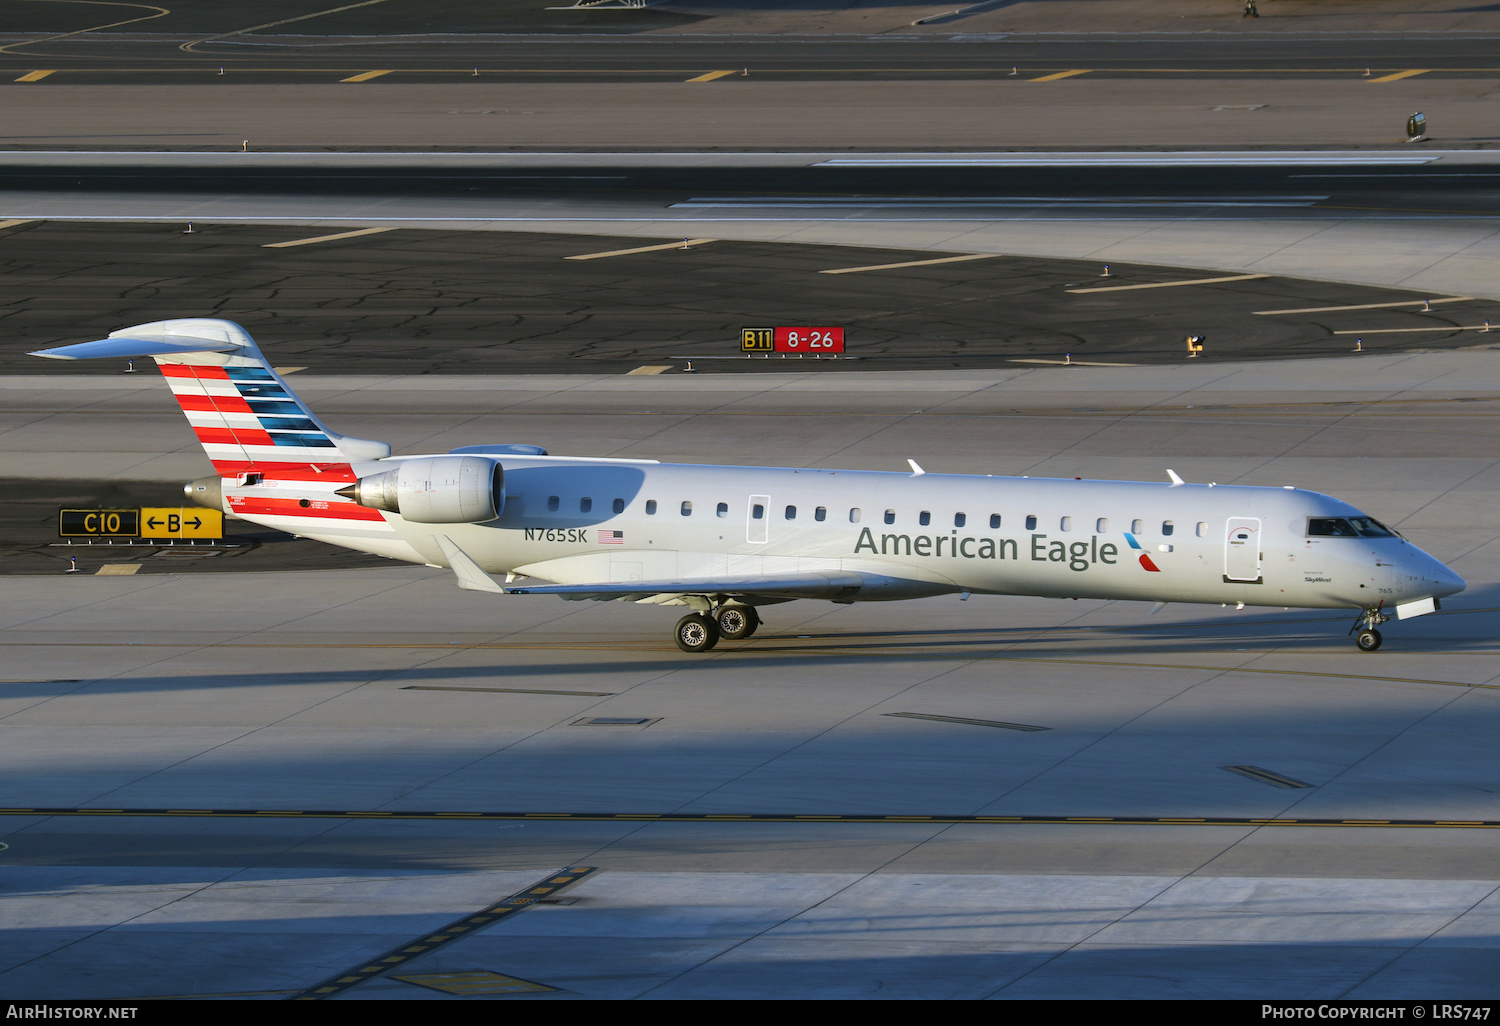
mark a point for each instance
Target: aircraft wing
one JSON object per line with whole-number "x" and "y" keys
{"x": 823, "y": 585}
{"x": 834, "y": 585}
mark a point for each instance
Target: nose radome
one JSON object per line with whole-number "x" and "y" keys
{"x": 1448, "y": 582}
{"x": 1437, "y": 576}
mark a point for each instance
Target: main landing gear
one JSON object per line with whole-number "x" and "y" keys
{"x": 699, "y": 632}
{"x": 1368, "y": 639}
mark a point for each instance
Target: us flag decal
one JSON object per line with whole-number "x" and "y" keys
{"x": 611, "y": 537}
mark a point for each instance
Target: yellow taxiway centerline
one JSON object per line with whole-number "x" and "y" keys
{"x": 326, "y": 238}
{"x": 684, "y": 244}
{"x": 1402, "y": 331}
{"x": 1364, "y": 306}
{"x": 1170, "y": 284}
{"x": 911, "y": 263}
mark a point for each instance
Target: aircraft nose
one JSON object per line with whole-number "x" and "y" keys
{"x": 1439, "y": 581}
{"x": 1446, "y": 582}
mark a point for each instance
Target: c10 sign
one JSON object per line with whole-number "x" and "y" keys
{"x": 792, "y": 340}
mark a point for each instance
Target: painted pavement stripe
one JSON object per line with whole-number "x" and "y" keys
{"x": 326, "y": 238}
{"x": 1169, "y": 284}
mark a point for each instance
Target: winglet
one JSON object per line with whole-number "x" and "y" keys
{"x": 1175, "y": 479}
{"x": 916, "y": 471}
{"x": 470, "y": 576}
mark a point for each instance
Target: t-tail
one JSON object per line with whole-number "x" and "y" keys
{"x": 243, "y": 413}
{"x": 274, "y": 461}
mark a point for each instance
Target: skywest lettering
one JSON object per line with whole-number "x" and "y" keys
{"x": 1078, "y": 555}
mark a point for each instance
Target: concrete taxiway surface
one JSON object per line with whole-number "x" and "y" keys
{"x": 389, "y": 690}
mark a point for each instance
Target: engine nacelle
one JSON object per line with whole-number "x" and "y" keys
{"x": 436, "y": 490}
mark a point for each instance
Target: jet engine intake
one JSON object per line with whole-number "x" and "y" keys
{"x": 435, "y": 490}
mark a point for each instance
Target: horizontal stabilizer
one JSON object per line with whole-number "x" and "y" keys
{"x": 122, "y": 348}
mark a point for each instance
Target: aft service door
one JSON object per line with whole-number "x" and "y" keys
{"x": 758, "y": 520}
{"x": 1242, "y": 550}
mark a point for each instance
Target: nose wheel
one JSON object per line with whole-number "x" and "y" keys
{"x": 1368, "y": 639}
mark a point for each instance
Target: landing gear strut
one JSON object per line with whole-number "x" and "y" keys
{"x": 1368, "y": 639}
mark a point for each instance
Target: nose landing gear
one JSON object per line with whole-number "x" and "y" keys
{"x": 1368, "y": 639}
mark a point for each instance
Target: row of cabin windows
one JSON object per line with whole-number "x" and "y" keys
{"x": 820, "y": 514}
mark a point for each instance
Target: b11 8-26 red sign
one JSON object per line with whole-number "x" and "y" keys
{"x": 809, "y": 340}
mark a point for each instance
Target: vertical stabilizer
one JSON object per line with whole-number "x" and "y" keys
{"x": 244, "y": 415}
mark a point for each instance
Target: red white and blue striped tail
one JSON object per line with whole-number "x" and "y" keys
{"x": 245, "y": 416}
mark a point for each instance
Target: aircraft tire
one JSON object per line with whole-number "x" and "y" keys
{"x": 737, "y": 623}
{"x": 696, "y": 633}
{"x": 1368, "y": 640}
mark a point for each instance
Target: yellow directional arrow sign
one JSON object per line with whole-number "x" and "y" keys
{"x": 181, "y": 522}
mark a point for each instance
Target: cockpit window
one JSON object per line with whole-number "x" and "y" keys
{"x": 1369, "y": 528}
{"x": 1347, "y": 527}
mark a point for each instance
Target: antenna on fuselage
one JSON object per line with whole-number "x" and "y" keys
{"x": 916, "y": 470}
{"x": 1175, "y": 479}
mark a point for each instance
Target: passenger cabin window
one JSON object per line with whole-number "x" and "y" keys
{"x": 1137, "y": 527}
{"x": 960, "y": 519}
{"x": 758, "y": 512}
{"x": 1203, "y": 529}
{"x": 820, "y": 514}
{"x": 854, "y": 514}
{"x": 723, "y": 509}
{"x": 1102, "y": 525}
{"x": 585, "y": 504}
{"x": 1166, "y": 527}
{"x": 650, "y": 507}
{"x": 890, "y": 516}
{"x": 619, "y": 506}
{"x": 791, "y": 512}
{"x": 1031, "y": 523}
{"x": 687, "y": 509}
{"x": 994, "y": 521}
{"x": 924, "y": 518}
{"x": 1066, "y": 524}
{"x": 552, "y": 503}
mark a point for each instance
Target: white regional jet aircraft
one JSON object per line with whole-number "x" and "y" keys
{"x": 723, "y": 541}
